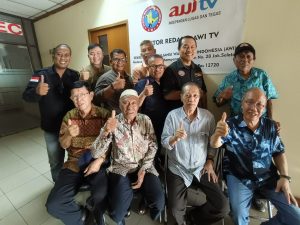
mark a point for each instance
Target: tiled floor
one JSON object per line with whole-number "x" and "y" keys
{"x": 25, "y": 182}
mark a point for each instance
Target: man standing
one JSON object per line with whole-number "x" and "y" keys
{"x": 141, "y": 71}
{"x": 154, "y": 104}
{"x": 92, "y": 72}
{"x": 79, "y": 129}
{"x": 255, "y": 162}
{"x": 111, "y": 84}
{"x": 133, "y": 147}
{"x": 182, "y": 71}
{"x": 246, "y": 76}
{"x": 190, "y": 159}
{"x": 51, "y": 87}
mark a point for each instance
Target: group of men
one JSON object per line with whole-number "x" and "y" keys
{"x": 94, "y": 116}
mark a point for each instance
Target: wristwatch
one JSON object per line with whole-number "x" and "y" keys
{"x": 286, "y": 177}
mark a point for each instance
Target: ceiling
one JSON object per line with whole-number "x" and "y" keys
{"x": 32, "y": 9}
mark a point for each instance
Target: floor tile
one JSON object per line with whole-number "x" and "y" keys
{"x": 13, "y": 219}
{"x": 10, "y": 183}
{"x": 29, "y": 191}
{"x": 35, "y": 213}
{"x": 11, "y": 164}
{"x": 42, "y": 167}
{"x": 48, "y": 176}
{"x": 53, "y": 221}
{"x": 5, "y": 206}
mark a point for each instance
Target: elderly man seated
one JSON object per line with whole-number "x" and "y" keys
{"x": 255, "y": 162}
{"x": 79, "y": 129}
{"x": 133, "y": 147}
{"x": 190, "y": 159}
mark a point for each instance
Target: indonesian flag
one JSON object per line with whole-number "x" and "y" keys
{"x": 35, "y": 78}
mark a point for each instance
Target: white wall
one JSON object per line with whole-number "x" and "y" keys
{"x": 271, "y": 26}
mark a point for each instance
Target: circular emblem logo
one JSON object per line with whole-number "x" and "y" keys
{"x": 181, "y": 73}
{"x": 151, "y": 18}
{"x": 198, "y": 74}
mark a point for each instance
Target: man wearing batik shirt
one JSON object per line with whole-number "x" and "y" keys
{"x": 79, "y": 129}
{"x": 131, "y": 136}
{"x": 255, "y": 161}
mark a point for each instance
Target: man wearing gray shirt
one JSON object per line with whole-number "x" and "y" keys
{"x": 186, "y": 136}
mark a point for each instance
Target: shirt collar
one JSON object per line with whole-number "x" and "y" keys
{"x": 182, "y": 112}
{"x": 253, "y": 73}
{"x": 181, "y": 65}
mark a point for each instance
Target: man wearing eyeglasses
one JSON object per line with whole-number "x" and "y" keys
{"x": 78, "y": 131}
{"x": 111, "y": 84}
{"x": 154, "y": 104}
{"x": 235, "y": 85}
{"x": 51, "y": 87}
{"x": 255, "y": 162}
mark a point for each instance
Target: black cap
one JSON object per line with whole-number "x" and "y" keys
{"x": 244, "y": 47}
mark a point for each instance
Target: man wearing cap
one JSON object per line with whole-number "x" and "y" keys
{"x": 130, "y": 138}
{"x": 92, "y": 72}
{"x": 246, "y": 76}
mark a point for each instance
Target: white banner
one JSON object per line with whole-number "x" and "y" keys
{"x": 217, "y": 26}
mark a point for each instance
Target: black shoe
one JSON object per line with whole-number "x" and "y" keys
{"x": 259, "y": 204}
{"x": 142, "y": 207}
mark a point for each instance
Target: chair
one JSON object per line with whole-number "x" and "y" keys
{"x": 195, "y": 196}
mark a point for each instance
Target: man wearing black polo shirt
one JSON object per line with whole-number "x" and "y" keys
{"x": 51, "y": 88}
{"x": 182, "y": 71}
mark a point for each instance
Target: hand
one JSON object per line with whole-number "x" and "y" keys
{"x": 93, "y": 167}
{"x": 148, "y": 90}
{"x": 209, "y": 169}
{"x": 222, "y": 128}
{"x": 111, "y": 123}
{"x": 180, "y": 133}
{"x": 42, "y": 88}
{"x": 139, "y": 182}
{"x": 284, "y": 186}
{"x": 72, "y": 129}
{"x": 226, "y": 94}
{"x": 119, "y": 83}
{"x": 85, "y": 74}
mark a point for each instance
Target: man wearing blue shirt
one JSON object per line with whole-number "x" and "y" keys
{"x": 252, "y": 144}
{"x": 190, "y": 159}
{"x": 246, "y": 76}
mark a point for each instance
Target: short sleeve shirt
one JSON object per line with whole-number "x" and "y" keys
{"x": 249, "y": 154}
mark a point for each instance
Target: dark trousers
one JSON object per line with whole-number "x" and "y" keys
{"x": 121, "y": 194}
{"x": 214, "y": 209}
{"x": 61, "y": 204}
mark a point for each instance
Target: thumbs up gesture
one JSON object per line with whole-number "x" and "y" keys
{"x": 148, "y": 90}
{"x": 111, "y": 123}
{"x": 84, "y": 74}
{"x": 180, "y": 132}
{"x": 222, "y": 128}
{"x": 119, "y": 83}
{"x": 73, "y": 129}
{"x": 42, "y": 88}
